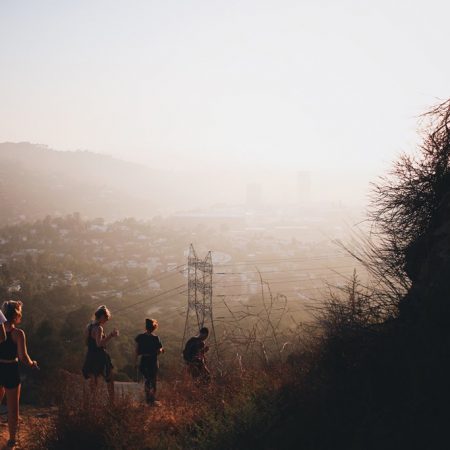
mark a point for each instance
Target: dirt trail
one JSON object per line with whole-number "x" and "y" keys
{"x": 31, "y": 418}
{"x": 170, "y": 414}
{"x": 36, "y": 418}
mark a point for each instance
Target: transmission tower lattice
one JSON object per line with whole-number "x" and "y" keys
{"x": 200, "y": 306}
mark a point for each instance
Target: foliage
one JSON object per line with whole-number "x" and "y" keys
{"x": 219, "y": 416}
{"x": 404, "y": 202}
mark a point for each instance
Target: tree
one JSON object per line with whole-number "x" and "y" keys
{"x": 406, "y": 201}
{"x": 404, "y": 207}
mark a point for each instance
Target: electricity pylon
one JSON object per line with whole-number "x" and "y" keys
{"x": 200, "y": 306}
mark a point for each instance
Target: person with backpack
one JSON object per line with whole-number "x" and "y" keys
{"x": 194, "y": 356}
{"x": 148, "y": 347}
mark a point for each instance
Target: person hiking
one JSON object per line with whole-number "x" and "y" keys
{"x": 194, "y": 356}
{"x": 148, "y": 347}
{"x": 2, "y": 327}
{"x": 98, "y": 362}
{"x": 13, "y": 348}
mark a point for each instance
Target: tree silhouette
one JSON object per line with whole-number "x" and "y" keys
{"x": 406, "y": 201}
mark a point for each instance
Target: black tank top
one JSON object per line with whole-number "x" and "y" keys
{"x": 8, "y": 348}
{"x": 91, "y": 342}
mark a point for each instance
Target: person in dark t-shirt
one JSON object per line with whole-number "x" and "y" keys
{"x": 148, "y": 347}
{"x": 194, "y": 356}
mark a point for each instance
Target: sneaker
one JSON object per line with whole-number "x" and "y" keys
{"x": 12, "y": 443}
{"x": 154, "y": 403}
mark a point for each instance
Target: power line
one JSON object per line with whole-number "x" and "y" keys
{"x": 257, "y": 283}
{"x": 180, "y": 312}
{"x": 280, "y": 293}
{"x": 300, "y": 269}
{"x": 139, "y": 307}
{"x": 228, "y": 294}
{"x": 146, "y": 300}
{"x": 285, "y": 260}
{"x": 150, "y": 298}
{"x": 216, "y": 296}
{"x": 275, "y": 280}
{"x": 139, "y": 284}
{"x": 130, "y": 288}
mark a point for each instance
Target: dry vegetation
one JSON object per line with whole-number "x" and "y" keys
{"x": 359, "y": 377}
{"x": 189, "y": 416}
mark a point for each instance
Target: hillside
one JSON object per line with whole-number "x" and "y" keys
{"x": 36, "y": 181}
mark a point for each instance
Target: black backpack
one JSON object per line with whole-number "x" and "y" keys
{"x": 190, "y": 349}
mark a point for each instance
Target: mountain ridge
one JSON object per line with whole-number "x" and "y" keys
{"x": 36, "y": 180}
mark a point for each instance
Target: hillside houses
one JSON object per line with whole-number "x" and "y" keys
{"x": 96, "y": 258}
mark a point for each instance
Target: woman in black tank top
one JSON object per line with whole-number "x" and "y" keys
{"x": 12, "y": 349}
{"x": 98, "y": 362}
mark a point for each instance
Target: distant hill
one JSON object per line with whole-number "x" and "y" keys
{"x": 36, "y": 181}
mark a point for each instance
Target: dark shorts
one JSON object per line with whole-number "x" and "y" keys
{"x": 9, "y": 375}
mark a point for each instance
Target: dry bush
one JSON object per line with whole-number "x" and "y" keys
{"x": 404, "y": 203}
{"x": 237, "y": 413}
{"x": 84, "y": 422}
{"x": 402, "y": 208}
{"x": 352, "y": 308}
{"x": 189, "y": 417}
{"x": 387, "y": 282}
{"x": 256, "y": 336}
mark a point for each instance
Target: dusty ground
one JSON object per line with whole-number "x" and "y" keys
{"x": 32, "y": 418}
{"x": 173, "y": 411}
{"x": 135, "y": 390}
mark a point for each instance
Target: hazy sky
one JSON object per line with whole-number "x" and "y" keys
{"x": 285, "y": 84}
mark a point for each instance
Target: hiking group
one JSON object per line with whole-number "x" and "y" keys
{"x": 97, "y": 362}
{"x": 148, "y": 347}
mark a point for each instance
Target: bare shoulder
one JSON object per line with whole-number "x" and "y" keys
{"x": 17, "y": 333}
{"x": 93, "y": 328}
{"x": 97, "y": 329}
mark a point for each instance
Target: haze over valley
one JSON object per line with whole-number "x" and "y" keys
{"x": 224, "y": 225}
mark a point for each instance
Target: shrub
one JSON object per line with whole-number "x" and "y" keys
{"x": 225, "y": 414}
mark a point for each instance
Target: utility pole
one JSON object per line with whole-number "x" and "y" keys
{"x": 200, "y": 294}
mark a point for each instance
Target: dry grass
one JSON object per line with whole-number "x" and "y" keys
{"x": 189, "y": 416}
